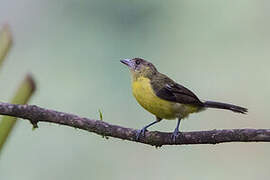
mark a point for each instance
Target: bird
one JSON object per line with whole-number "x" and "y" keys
{"x": 165, "y": 98}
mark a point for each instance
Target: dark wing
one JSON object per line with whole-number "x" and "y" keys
{"x": 171, "y": 91}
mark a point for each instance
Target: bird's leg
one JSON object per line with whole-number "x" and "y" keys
{"x": 176, "y": 130}
{"x": 142, "y": 131}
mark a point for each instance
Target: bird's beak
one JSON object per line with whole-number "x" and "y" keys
{"x": 127, "y": 62}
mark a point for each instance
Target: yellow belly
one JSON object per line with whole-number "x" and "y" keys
{"x": 164, "y": 109}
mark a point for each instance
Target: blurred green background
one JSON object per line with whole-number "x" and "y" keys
{"x": 218, "y": 49}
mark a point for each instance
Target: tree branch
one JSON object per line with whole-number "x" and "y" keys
{"x": 37, "y": 114}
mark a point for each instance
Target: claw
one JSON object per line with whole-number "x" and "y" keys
{"x": 175, "y": 134}
{"x": 176, "y": 131}
{"x": 140, "y": 132}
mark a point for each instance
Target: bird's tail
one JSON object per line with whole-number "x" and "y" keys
{"x": 238, "y": 109}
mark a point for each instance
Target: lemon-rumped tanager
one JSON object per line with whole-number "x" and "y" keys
{"x": 164, "y": 98}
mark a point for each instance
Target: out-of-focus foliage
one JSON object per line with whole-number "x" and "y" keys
{"x": 22, "y": 96}
{"x": 23, "y": 93}
{"x": 5, "y": 42}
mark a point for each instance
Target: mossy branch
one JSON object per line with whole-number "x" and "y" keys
{"x": 37, "y": 114}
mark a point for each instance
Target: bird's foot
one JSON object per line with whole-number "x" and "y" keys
{"x": 175, "y": 134}
{"x": 140, "y": 132}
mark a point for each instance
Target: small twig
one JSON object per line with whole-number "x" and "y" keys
{"x": 37, "y": 114}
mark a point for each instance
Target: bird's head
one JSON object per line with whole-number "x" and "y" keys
{"x": 140, "y": 67}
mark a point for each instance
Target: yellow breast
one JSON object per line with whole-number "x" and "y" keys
{"x": 164, "y": 109}
{"x": 146, "y": 97}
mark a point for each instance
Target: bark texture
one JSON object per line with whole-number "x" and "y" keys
{"x": 37, "y": 114}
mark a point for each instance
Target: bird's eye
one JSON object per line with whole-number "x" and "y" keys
{"x": 137, "y": 62}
